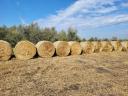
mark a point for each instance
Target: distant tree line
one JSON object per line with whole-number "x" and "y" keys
{"x": 34, "y": 34}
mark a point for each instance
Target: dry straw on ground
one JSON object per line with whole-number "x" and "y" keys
{"x": 106, "y": 46}
{"x": 125, "y": 45}
{"x": 62, "y": 48}
{"x": 97, "y": 45}
{"x": 24, "y": 50}
{"x": 75, "y": 48}
{"x": 45, "y": 49}
{"x": 117, "y": 45}
{"x": 5, "y": 50}
{"x": 87, "y": 47}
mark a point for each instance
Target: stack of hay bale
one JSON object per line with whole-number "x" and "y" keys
{"x": 25, "y": 50}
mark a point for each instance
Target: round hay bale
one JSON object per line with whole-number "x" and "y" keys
{"x": 45, "y": 49}
{"x": 5, "y": 50}
{"x": 75, "y": 47}
{"x": 62, "y": 48}
{"x": 97, "y": 45}
{"x": 106, "y": 46}
{"x": 87, "y": 47}
{"x": 24, "y": 50}
{"x": 117, "y": 45}
{"x": 125, "y": 45}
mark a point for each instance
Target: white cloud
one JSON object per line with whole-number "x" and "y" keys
{"x": 85, "y": 14}
{"x": 108, "y": 20}
{"x": 125, "y": 4}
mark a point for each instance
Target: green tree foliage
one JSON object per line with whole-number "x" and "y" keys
{"x": 49, "y": 34}
{"x": 72, "y": 35}
{"x": 13, "y": 38}
{"x": 105, "y": 39}
{"x": 91, "y": 39}
{"x": 3, "y": 32}
{"x": 10, "y": 34}
{"x": 62, "y": 36}
{"x": 83, "y": 39}
{"x": 35, "y": 34}
{"x": 114, "y": 38}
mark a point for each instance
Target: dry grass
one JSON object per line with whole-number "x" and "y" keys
{"x": 102, "y": 74}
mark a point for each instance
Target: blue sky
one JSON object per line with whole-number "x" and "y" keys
{"x": 26, "y": 11}
{"x": 92, "y": 18}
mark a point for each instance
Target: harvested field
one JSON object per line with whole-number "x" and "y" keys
{"x": 97, "y": 74}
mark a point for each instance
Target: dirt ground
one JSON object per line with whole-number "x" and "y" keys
{"x": 98, "y": 74}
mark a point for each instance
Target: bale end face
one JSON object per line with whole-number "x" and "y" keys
{"x": 5, "y": 50}
{"x": 97, "y": 46}
{"x": 24, "y": 50}
{"x": 75, "y": 48}
{"x": 62, "y": 48}
{"x": 106, "y": 46}
{"x": 125, "y": 45}
{"x": 87, "y": 47}
{"x": 45, "y": 49}
{"x": 117, "y": 45}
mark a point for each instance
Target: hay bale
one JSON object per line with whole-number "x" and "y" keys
{"x": 24, "y": 50}
{"x": 106, "y": 46}
{"x": 125, "y": 45}
{"x": 75, "y": 48}
{"x": 117, "y": 45}
{"x": 97, "y": 45}
{"x": 5, "y": 50}
{"x": 87, "y": 47}
{"x": 45, "y": 49}
{"x": 62, "y": 48}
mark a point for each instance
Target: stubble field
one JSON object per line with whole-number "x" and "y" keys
{"x": 98, "y": 74}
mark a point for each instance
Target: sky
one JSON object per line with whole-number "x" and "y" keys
{"x": 91, "y": 18}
